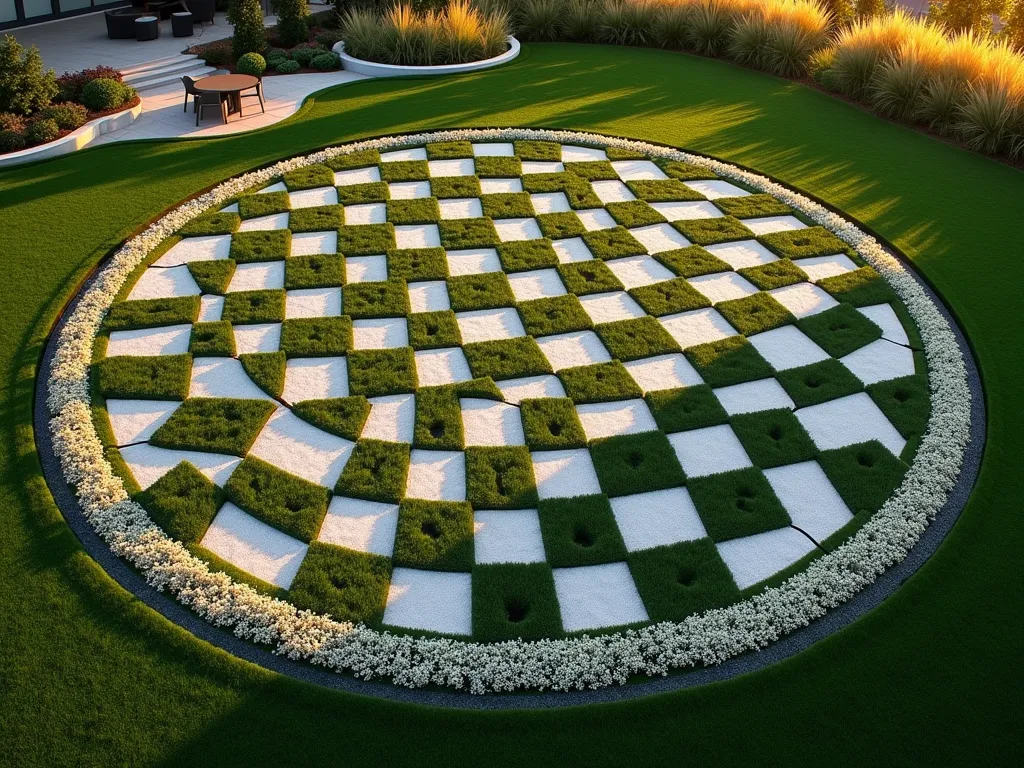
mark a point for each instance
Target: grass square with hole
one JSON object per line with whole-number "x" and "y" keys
{"x": 592, "y": 170}
{"x": 266, "y": 369}
{"x": 756, "y": 313}
{"x": 752, "y": 206}
{"x": 385, "y": 298}
{"x": 262, "y": 245}
{"x": 360, "y": 159}
{"x": 438, "y": 423}
{"x": 263, "y": 306}
{"x": 162, "y": 377}
{"x": 558, "y": 226}
{"x": 434, "y": 535}
{"x": 553, "y": 315}
{"x": 634, "y": 213}
{"x": 377, "y": 372}
{"x": 905, "y": 401}
{"x": 420, "y": 210}
{"x": 524, "y": 255}
{"x": 506, "y": 358}
{"x": 580, "y": 531}
{"x": 458, "y": 234}
{"x": 683, "y": 171}
{"x": 151, "y": 313}
{"x": 455, "y": 187}
{"x": 514, "y": 600}
{"x": 599, "y": 383}
{"x": 728, "y": 361}
{"x": 212, "y": 339}
{"x": 669, "y": 297}
{"x": 417, "y": 264}
{"x": 507, "y": 205}
{"x": 267, "y": 204}
{"x": 320, "y": 218}
{"x": 316, "y": 336}
{"x": 686, "y": 408}
{"x": 449, "y": 150}
{"x": 723, "y": 229}
{"x": 321, "y": 270}
{"x": 500, "y": 478}
{"x": 366, "y": 239}
{"x": 434, "y": 330}
{"x": 498, "y": 167}
{"x": 212, "y": 276}
{"x": 212, "y": 224}
{"x": 737, "y": 503}
{"x": 839, "y": 330}
{"x": 405, "y": 170}
{"x": 865, "y": 475}
{"x": 637, "y": 463}
{"x": 309, "y": 177}
{"x": 774, "y": 274}
{"x": 282, "y": 500}
{"x": 587, "y": 277}
{"x": 341, "y": 416}
{"x": 486, "y": 290}
{"x": 662, "y": 190}
{"x": 818, "y": 382}
{"x": 692, "y": 261}
{"x": 677, "y": 580}
{"x": 773, "y": 438}
{"x": 861, "y": 287}
{"x": 371, "y": 192}
{"x": 636, "y": 339}
{"x": 183, "y": 503}
{"x": 551, "y": 423}
{"x": 538, "y": 150}
{"x": 804, "y": 243}
{"x": 377, "y": 471}
{"x": 345, "y": 584}
{"x": 214, "y": 424}
{"x": 613, "y": 243}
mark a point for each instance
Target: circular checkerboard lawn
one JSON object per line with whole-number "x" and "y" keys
{"x": 508, "y": 389}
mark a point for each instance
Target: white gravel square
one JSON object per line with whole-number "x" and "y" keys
{"x": 751, "y": 396}
{"x": 541, "y": 166}
{"x": 510, "y": 230}
{"x": 400, "y": 155}
{"x": 508, "y": 536}
{"x": 462, "y": 167}
{"x": 207, "y": 248}
{"x": 636, "y": 271}
{"x": 847, "y": 421}
{"x": 313, "y": 302}
{"x": 461, "y": 208}
{"x": 495, "y": 186}
{"x": 752, "y": 559}
{"x": 254, "y": 546}
{"x": 313, "y": 243}
{"x": 380, "y": 333}
{"x": 277, "y": 186}
{"x": 222, "y": 377}
{"x": 624, "y": 417}
{"x": 766, "y": 224}
{"x": 149, "y": 463}
{"x": 134, "y": 421}
{"x": 264, "y": 223}
{"x": 536, "y": 284}
{"x": 428, "y": 296}
{"x": 260, "y": 275}
{"x": 366, "y": 269}
{"x": 517, "y": 390}
{"x": 431, "y": 601}
{"x": 596, "y": 218}
{"x": 261, "y": 337}
{"x": 697, "y": 327}
{"x": 366, "y": 213}
{"x": 571, "y": 249}
{"x": 210, "y": 308}
{"x": 812, "y": 502}
{"x": 820, "y": 267}
{"x": 356, "y": 176}
{"x": 709, "y": 450}
{"x": 687, "y": 211}
{"x": 742, "y": 253}
{"x": 569, "y": 350}
{"x": 488, "y": 422}
{"x": 550, "y": 202}
{"x": 164, "y": 283}
{"x": 392, "y": 418}
{"x": 648, "y": 520}
{"x": 885, "y": 317}
{"x": 147, "y": 342}
{"x": 574, "y": 154}
{"x": 716, "y": 188}
{"x": 787, "y": 347}
{"x": 663, "y": 372}
{"x": 417, "y": 236}
{"x": 437, "y": 475}
{"x": 310, "y": 198}
{"x": 441, "y": 366}
{"x": 803, "y": 299}
{"x": 612, "y": 306}
{"x": 563, "y": 474}
{"x": 880, "y": 361}
{"x": 489, "y": 324}
{"x": 723, "y": 286}
{"x": 296, "y": 446}
{"x": 597, "y": 596}
{"x": 365, "y": 526}
{"x": 315, "y": 378}
{"x": 612, "y": 191}
{"x": 473, "y": 261}
{"x": 637, "y": 170}
{"x": 658, "y": 238}
{"x": 409, "y": 190}
{"x": 494, "y": 149}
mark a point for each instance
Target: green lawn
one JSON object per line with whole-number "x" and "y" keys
{"x": 89, "y": 676}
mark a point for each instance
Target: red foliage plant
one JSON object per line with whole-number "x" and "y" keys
{"x": 72, "y": 83}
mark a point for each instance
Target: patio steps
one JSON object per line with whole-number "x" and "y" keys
{"x": 165, "y": 71}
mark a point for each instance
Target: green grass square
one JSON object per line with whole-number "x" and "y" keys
{"x": 376, "y": 470}
{"x": 211, "y": 224}
{"x": 669, "y": 297}
{"x": 628, "y": 464}
{"x": 384, "y": 298}
{"x": 580, "y": 194}
{"x": 804, "y": 243}
{"x": 592, "y": 170}
{"x": 214, "y": 424}
{"x": 613, "y": 243}
{"x": 449, "y": 150}
{"x": 723, "y": 229}
{"x": 599, "y": 383}
{"x": 370, "y": 192}
{"x": 678, "y": 169}
{"x": 316, "y": 336}
{"x": 686, "y": 408}
{"x": 161, "y": 377}
{"x": 774, "y": 274}
{"x": 417, "y": 264}
{"x": 455, "y": 187}
{"x": 551, "y": 423}
{"x": 262, "y": 245}
{"x": 905, "y": 401}
{"x": 183, "y": 503}
{"x": 553, "y": 315}
{"x": 728, "y": 361}
{"x": 320, "y": 270}
{"x": 264, "y": 306}
{"x": 457, "y": 234}
{"x": 405, "y": 170}
{"x": 538, "y": 150}
{"x": 434, "y": 535}
{"x": 376, "y": 372}
{"x": 737, "y": 503}
{"x": 498, "y": 167}
{"x": 773, "y": 438}
{"x": 756, "y": 313}
{"x": 341, "y": 416}
{"x": 420, "y": 210}
{"x": 865, "y": 475}
{"x": 524, "y": 255}
{"x": 434, "y": 330}
{"x": 580, "y": 531}
{"x": 341, "y": 583}
{"x": 487, "y": 290}
{"x": 586, "y": 277}
{"x": 266, "y": 369}
{"x": 692, "y": 261}
{"x": 558, "y": 226}
{"x": 633, "y": 213}
{"x": 360, "y": 159}
{"x": 500, "y": 478}
{"x": 514, "y": 600}
{"x": 818, "y": 382}
{"x": 319, "y": 218}
{"x": 507, "y": 205}
{"x": 438, "y": 423}
{"x": 662, "y": 190}
{"x": 635, "y": 339}
{"x": 282, "y": 500}
{"x": 752, "y": 206}
{"x": 152, "y": 313}
{"x": 366, "y": 239}
{"x": 861, "y": 287}
{"x": 309, "y": 177}
{"x": 212, "y": 339}
{"x": 506, "y": 358}
{"x": 266, "y": 204}
{"x": 212, "y": 276}
{"x": 678, "y": 580}
{"x": 839, "y": 330}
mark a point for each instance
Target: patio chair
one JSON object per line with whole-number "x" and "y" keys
{"x": 206, "y": 101}
{"x": 190, "y": 90}
{"x": 202, "y": 10}
{"x": 258, "y": 95}
{"x": 121, "y": 23}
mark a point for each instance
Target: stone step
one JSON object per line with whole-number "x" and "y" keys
{"x": 148, "y": 66}
{"x": 179, "y": 68}
{"x": 164, "y": 79}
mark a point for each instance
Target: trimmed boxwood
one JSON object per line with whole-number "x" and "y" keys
{"x": 628, "y": 464}
{"x": 278, "y": 498}
{"x": 341, "y": 583}
{"x": 449, "y": 150}
{"x": 592, "y": 170}
{"x": 538, "y": 150}
{"x": 161, "y": 377}
{"x": 500, "y": 478}
{"x": 215, "y": 424}
{"x": 434, "y": 535}
{"x": 580, "y": 531}
{"x": 341, "y": 416}
{"x": 376, "y": 470}
{"x": 679, "y": 410}
{"x": 861, "y": 287}
{"x": 183, "y": 502}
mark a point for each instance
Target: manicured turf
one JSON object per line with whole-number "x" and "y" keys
{"x": 92, "y": 676}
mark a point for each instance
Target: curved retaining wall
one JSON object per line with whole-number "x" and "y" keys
{"x": 375, "y": 69}
{"x": 77, "y": 139}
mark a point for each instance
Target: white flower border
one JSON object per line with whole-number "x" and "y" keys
{"x": 566, "y": 664}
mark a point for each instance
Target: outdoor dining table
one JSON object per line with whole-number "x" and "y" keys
{"x": 229, "y": 87}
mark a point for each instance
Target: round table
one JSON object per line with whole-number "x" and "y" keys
{"x": 229, "y": 86}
